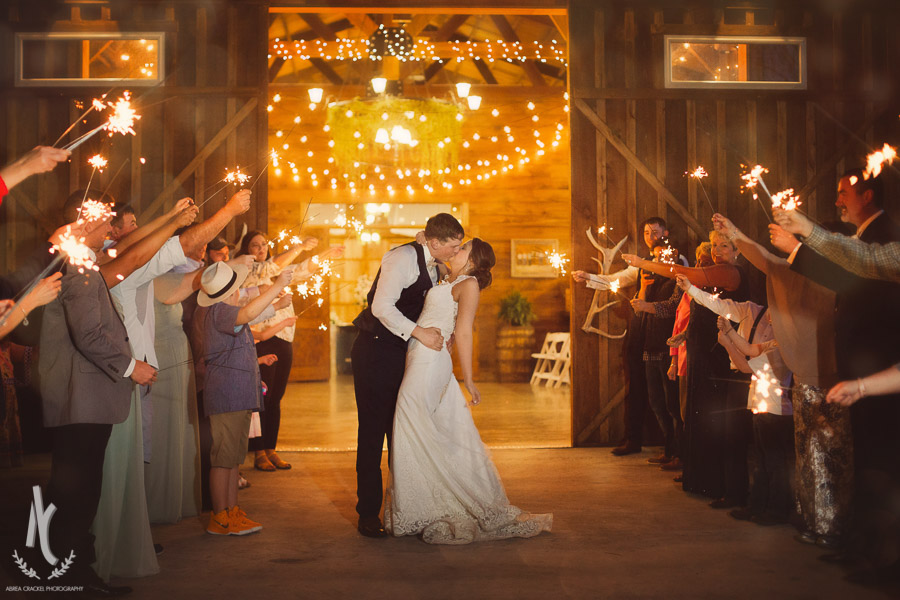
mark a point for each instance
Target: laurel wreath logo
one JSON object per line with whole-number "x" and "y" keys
{"x": 57, "y": 572}
{"x": 61, "y": 569}
{"x": 23, "y": 566}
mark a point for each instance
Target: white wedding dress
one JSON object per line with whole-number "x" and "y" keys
{"x": 443, "y": 483}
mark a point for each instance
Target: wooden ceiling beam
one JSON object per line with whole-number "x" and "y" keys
{"x": 485, "y": 72}
{"x": 364, "y": 23}
{"x": 418, "y": 23}
{"x": 509, "y": 34}
{"x": 562, "y": 25}
{"x": 472, "y": 7}
{"x": 444, "y": 32}
{"x": 319, "y": 27}
{"x": 322, "y": 65}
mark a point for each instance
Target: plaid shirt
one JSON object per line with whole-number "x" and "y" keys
{"x": 875, "y": 261}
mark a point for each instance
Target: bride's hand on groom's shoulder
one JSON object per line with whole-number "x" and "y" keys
{"x": 474, "y": 393}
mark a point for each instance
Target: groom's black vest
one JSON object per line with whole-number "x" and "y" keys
{"x": 410, "y": 303}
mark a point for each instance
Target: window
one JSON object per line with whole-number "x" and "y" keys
{"x": 735, "y": 62}
{"x": 88, "y": 59}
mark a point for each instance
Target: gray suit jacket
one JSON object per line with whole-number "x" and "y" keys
{"x": 84, "y": 355}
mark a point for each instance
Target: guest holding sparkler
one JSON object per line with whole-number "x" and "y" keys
{"x": 754, "y": 325}
{"x": 865, "y": 343}
{"x": 771, "y": 498}
{"x": 875, "y": 261}
{"x": 707, "y": 369}
{"x": 738, "y": 428}
{"x": 38, "y": 160}
{"x": 656, "y": 310}
{"x": 653, "y": 229}
{"x": 263, "y": 271}
{"x": 87, "y": 374}
{"x": 172, "y": 483}
{"x": 803, "y": 321}
{"x": 231, "y": 383}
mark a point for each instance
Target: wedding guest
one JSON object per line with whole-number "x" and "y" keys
{"x": 771, "y": 496}
{"x": 636, "y": 400}
{"x": 231, "y": 383}
{"x": 657, "y": 313}
{"x": 218, "y": 250}
{"x": 87, "y": 372}
{"x": 875, "y": 261}
{"x": 865, "y": 343}
{"x": 263, "y": 272}
{"x": 738, "y": 426}
{"x": 803, "y": 320}
{"x": 707, "y": 367}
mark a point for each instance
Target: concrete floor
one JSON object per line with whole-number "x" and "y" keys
{"x": 322, "y": 416}
{"x": 622, "y": 529}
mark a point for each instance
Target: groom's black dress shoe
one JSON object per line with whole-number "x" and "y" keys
{"x": 98, "y": 589}
{"x": 371, "y": 527}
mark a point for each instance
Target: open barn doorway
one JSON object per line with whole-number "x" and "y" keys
{"x": 376, "y": 121}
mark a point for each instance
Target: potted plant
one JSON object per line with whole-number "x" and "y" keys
{"x": 515, "y": 339}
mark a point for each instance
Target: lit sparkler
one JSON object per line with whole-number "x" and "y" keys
{"x": 786, "y": 200}
{"x": 236, "y": 176}
{"x": 94, "y": 210}
{"x": 123, "y": 117}
{"x": 698, "y": 174}
{"x": 558, "y": 261}
{"x": 98, "y": 162}
{"x": 96, "y": 104}
{"x": 766, "y": 387}
{"x": 753, "y": 178}
{"x": 876, "y": 160}
{"x": 75, "y": 252}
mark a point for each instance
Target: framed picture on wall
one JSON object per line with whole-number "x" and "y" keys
{"x": 529, "y": 258}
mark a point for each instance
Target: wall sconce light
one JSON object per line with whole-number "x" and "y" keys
{"x": 378, "y": 84}
{"x": 315, "y": 95}
{"x": 462, "y": 89}
{"x": 474, "y": 102}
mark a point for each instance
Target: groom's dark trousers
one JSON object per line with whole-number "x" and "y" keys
{"x": 378, "y": 367}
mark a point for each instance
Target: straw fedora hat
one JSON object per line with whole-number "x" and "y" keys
{"x": 219, "y": 281}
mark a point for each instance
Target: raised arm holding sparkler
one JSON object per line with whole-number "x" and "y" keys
{"x": 881, "y": 383}
{"x": 721, "y": 275}
{"x": 43, "y": 293}
{"x": 38, "y": 160}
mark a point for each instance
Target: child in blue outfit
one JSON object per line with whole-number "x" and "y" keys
{"x": 231, "y": 383}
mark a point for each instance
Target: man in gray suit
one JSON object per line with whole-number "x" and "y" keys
{"x": 87, "y": 373}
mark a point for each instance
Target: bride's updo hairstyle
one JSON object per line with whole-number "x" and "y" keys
{"x": 483, "y": 260}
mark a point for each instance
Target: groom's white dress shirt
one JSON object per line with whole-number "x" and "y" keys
{"x": 399, "y": 270}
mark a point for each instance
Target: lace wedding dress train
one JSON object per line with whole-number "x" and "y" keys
{"x": 443, "y": 483}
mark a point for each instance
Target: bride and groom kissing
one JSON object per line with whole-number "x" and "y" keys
{"x": 443, "y": 484}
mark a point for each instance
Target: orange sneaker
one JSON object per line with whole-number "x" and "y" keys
{"x": 240, "y": 523}
{"x": 219, "y": 523}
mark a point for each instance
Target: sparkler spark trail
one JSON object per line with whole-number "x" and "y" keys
{"x": 75, "y": 252}
{"x": 698, "y": 174}
{"x": 236, "y": 176}
{"x": 766, "y": 386}
{"x": 558, "y": 261}
{"x": 94, "y": 210}
{"x": 875, "y": 161}
{"x": 123, "y": 117}
{"x": 753, "y": 178}
{"x": 96, "y": 104}
{"x": 98, "y": 162}
{"x": 786, "y": 200}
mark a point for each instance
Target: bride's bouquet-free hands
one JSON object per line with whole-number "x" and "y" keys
{"x": 473, "y": 393}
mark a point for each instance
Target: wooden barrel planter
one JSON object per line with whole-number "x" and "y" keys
{"x": 514, "y": 347}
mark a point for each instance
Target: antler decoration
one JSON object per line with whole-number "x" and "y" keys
{"x": 609, "y": 254}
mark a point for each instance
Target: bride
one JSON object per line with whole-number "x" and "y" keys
{"x": 443, "y": 482}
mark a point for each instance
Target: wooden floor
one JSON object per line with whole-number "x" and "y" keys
{"x": 322, "y": 416}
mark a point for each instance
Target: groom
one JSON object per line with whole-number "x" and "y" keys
{"x": 378, "y": 355}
